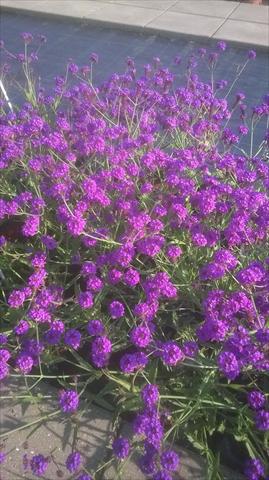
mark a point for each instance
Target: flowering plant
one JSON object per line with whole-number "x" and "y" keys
{"x": 134, "y": 257}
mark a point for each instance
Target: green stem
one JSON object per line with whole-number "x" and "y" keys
{"x": 22, "y": 427}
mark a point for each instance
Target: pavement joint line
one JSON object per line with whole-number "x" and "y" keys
{"x": 247, "y": 21}
{"x": 140, "y": 6}
{"x": 226, "y": 18}
{"x": 158, "y": 16}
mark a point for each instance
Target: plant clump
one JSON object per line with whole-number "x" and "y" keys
{"x": 134, "y": 256}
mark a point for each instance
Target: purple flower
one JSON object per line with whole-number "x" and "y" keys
{"x": 24, "y": 362}
{"x": 151, "y": 246}
{"x": 22, "y": 328}
{"x": 68, "y": 401}
{"x": 173, "y": 252}
{"x": 140, "y": 336}
{"x": 131, "y": 277}
{"x": 101, "y": 349}
{"x": 121, "y": 447}
{"x": 262, "y": 420}
{"x": 101, "y": 345}
{"x": 171, "y": 353}
{"x": 94, "y": 57}
{"x": 252, "y": 274}
{"x": 4, "y": 355}
{"x": 190, "y": 349}
{"x": 49, "y": 242}
{"x": 256, "y": 399}
{"x": 221, "y": 45}
{"x": 38, "y": 260}
{"x": 116, "y": 309}
{"x": 16, "y": 298}
{"x": 95, "y": 284}
{"x": 72, "y": 338}
{"x": 95, "y": 328}
{"x": 54, "y": 334}
{"x": 39, "y": 465}
{"x": 84, "y": 476}
{"x": 4, "y": 370}
{"x": 225, "y": 258}
{"x": 154, "y": 431}
{"x": 2, "y": 457}
{"x": 31, "y": 226}
{"x": 148, "y": 464}
{"x": 85, "y": 300}
{"x": 88, "y": 268}
{"x": 27, "y": 37}
{"x": 73, "y": 462}
{"x": 162, "y": 475}
{"x": 3, "y": 339}
{"x": 76, "y": 225}
{"x": 37, "y": 279}
{"x": 130, "y": 362}
{"x": 3, "y": 241}
{"x": 212, "y": 271}
{"x": 150, "y": 394}
{"x": 228, "y": 365}
{"x": 169, "y": 460}
{"x": 252, "y": 54}
{"x": 254, "y": 469}
{"x": 114, "y": 276}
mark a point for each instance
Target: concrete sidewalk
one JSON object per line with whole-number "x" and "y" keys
{"x": 210, "y": 19}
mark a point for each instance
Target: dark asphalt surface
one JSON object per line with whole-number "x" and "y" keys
{"x": 67, "y": 39}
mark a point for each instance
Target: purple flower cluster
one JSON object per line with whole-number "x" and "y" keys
{"x": 73, "y": 462}
{"x": 68, "y": 401}
{"x": 39, "y": 465}
{"x": 138, "y": 232}
{"x": 100, "y": 351}
{"x": 121, "y": 448}
{"x": 254, "y": 469}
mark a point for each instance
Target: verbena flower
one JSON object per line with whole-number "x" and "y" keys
{"x": 2, "y": 457}
{"x": 68, "y": 401}
{"x": 95, "y": 328}
{"x": 72, "y": 338}
{"x": 39, "y": 465}
{"x": 262, "y": 420}
{"x": 4, "y": 370}
{"x": 254, "y": 469}
{"x": 73, "y": 462}
{"x": 24, "y": 363}
{"x": 169, "y": 460}
{"x": 116, "y": 309}
{"x": 171, "y": 353}
{"x": 85, "y": 300}
{"x": 228, "y": 365}
{"x": 121, "y": 447}
{"x": 256, "y": 399}
{"x": 84, "y": 476}
{"x": 150, "y": 394}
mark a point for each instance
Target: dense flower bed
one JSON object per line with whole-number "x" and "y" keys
{"x": 134, "y": 250}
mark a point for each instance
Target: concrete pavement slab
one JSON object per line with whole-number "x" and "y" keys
{"x": 68, "y": 8}
{"x": 55, "y": 437}
{"x": 198, "y": 25}
{"x": 127, "y": 15}
{"x": 251, "y": 13}
{"x": 211, "y": 8}
{"x": 246, "y": 32}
